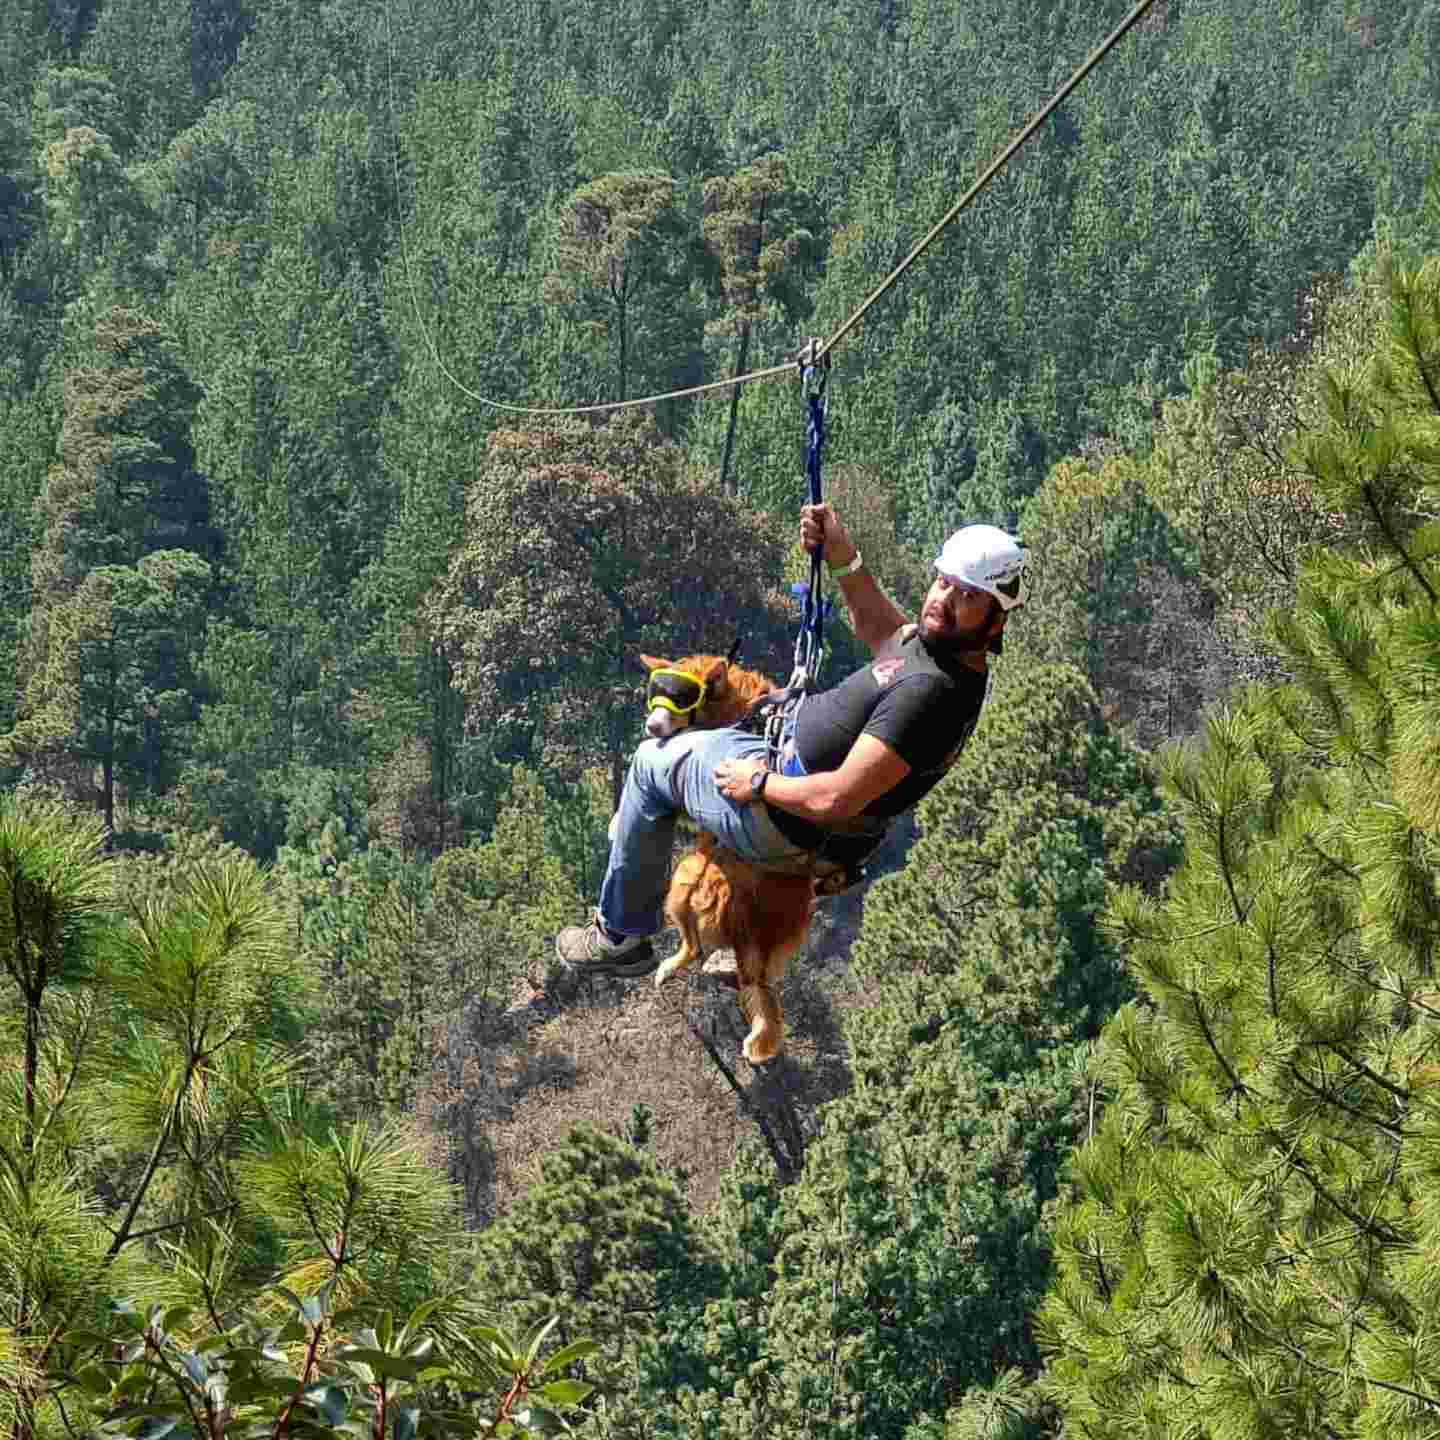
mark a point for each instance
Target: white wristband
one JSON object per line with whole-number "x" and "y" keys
{"x": 841, "y": 571}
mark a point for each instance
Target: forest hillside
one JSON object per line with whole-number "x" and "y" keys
{"x": 1108, "y": 1104}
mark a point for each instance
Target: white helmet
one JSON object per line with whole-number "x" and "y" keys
{"x": 987, "y": 559}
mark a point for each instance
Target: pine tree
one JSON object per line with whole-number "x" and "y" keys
{"x": 155, "y": 1140}
{"x": 118, "y": 684}
{"x": 121, "y": 576}
{"x": 626, "y": 541}
{"x": 1249, "y": 1246}
{"x": 1118, "y": 592}
{"x": 618, "y": 251}
{"x": 606, "y": 1235}
{"x": 763, "y": 235}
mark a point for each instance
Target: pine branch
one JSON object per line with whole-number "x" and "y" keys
{"x": 64, "y": 1418}
{"x": 1098, "y": 1256}
{"x": 1432, "y": 1401}
{"x": 122, "y": 1235}
{"x": 1297, "y": 1164}
{"x": 1237, "y": 1086}
{"x": 1338, "y": 866}
{"x": 1271, "y": 967}
{"x": 1241, "y": 912}
{"x": 1383, "y": 1232}
{"x": 1398, "y": 1091}
{"x": 179, "y": 1224}
{"x": 1394, "y": 991}
{"x": 1395, "y": 1131}
{"x": 14, "y": 1167}
{"x": 1382, "y": 520}
{"x": 1417, "y": 348}
{"x": 316, "y": 1227}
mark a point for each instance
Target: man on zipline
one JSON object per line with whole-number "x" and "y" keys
{"x": 860, "y": 754}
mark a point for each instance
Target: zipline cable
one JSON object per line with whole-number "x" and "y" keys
{"x": 994, "y": 168}
{"x": 444, "y": 369}
{"x": 814, "y": 355}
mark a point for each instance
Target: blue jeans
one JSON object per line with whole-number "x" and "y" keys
{"x": 666, "y": 777}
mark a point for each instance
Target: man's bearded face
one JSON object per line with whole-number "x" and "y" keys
{"x": 958, "y": 617}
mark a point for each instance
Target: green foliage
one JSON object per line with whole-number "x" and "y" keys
{"x": 405, "y": 949}
{"x": 269, "y": 247}
{"x": 592, "y": 192}
{"x": 120, "y": 582}
{"x": 605, "y": 1234}
{"x": 762, "y": 233}
{"x": 619, "y": 240}
{"x": 899, "y": 1271}
{"x": 621, "y": 540}
{"x": 118, "y": 690}
{"x": 1247, "y": 1247}
{"x": 320, "y": 1373}
{"x": 155, "y": 1138}
{"x": 1117, "y": 593}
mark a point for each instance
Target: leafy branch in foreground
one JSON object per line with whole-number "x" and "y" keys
{"x": 311, "y": 1374}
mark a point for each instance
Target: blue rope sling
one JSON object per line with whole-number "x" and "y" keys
{"x": 780, "y": 710}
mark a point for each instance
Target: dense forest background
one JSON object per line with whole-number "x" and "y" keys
{"x": 1107, "y": 1109}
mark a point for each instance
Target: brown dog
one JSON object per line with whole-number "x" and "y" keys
{"x": 716, "y": 900}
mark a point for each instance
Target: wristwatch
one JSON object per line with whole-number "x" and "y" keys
{"x": 841, "y": 571}
{"x": 757, "y": 783}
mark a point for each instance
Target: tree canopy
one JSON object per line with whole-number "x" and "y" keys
{"x": 1107, "y": 1105}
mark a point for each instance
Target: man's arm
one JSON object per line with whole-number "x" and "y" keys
{"x": 870, "y": 770}
{"x": 873, "y": 616}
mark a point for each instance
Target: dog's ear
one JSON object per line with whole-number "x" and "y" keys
{"x": 717, "y": 677}
{"x": 651, "y": 663}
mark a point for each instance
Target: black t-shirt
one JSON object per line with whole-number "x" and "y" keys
{"x": 924, "y": 706}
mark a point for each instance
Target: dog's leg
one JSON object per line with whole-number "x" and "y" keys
{"x": 679, "y": 912}
{"x": 690, "y": 948}
{"x": 699, "y": 893}
{"x": 760, "y": 1006}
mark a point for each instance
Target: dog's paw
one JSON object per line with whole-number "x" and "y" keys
{"x": 761, "y": 1051}
{"x": 666, "y": 971}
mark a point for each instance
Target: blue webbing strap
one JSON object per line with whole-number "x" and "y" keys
{"x": 810, "y": 642}
{"x": 809, "y": 648}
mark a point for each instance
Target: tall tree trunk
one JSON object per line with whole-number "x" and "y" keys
{"x": 624, "y": 348}
{"x": 441, "y": 758}
{"x": 108, "y": 778}
{"x": 741, "y": 352}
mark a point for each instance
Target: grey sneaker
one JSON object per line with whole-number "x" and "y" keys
{"x": 587, "y": 950}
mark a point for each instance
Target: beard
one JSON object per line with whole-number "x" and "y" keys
{"x": 959, "y": 640}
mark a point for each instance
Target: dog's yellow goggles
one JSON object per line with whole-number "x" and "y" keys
{"x": 677, "y": 691}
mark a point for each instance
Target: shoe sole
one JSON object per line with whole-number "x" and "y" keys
{"x": 630, "y": 966}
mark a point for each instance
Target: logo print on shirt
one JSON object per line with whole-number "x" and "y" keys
{"x": 886, "y": 670}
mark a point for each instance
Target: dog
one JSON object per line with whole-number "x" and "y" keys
{"x": 716, "y": 900}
